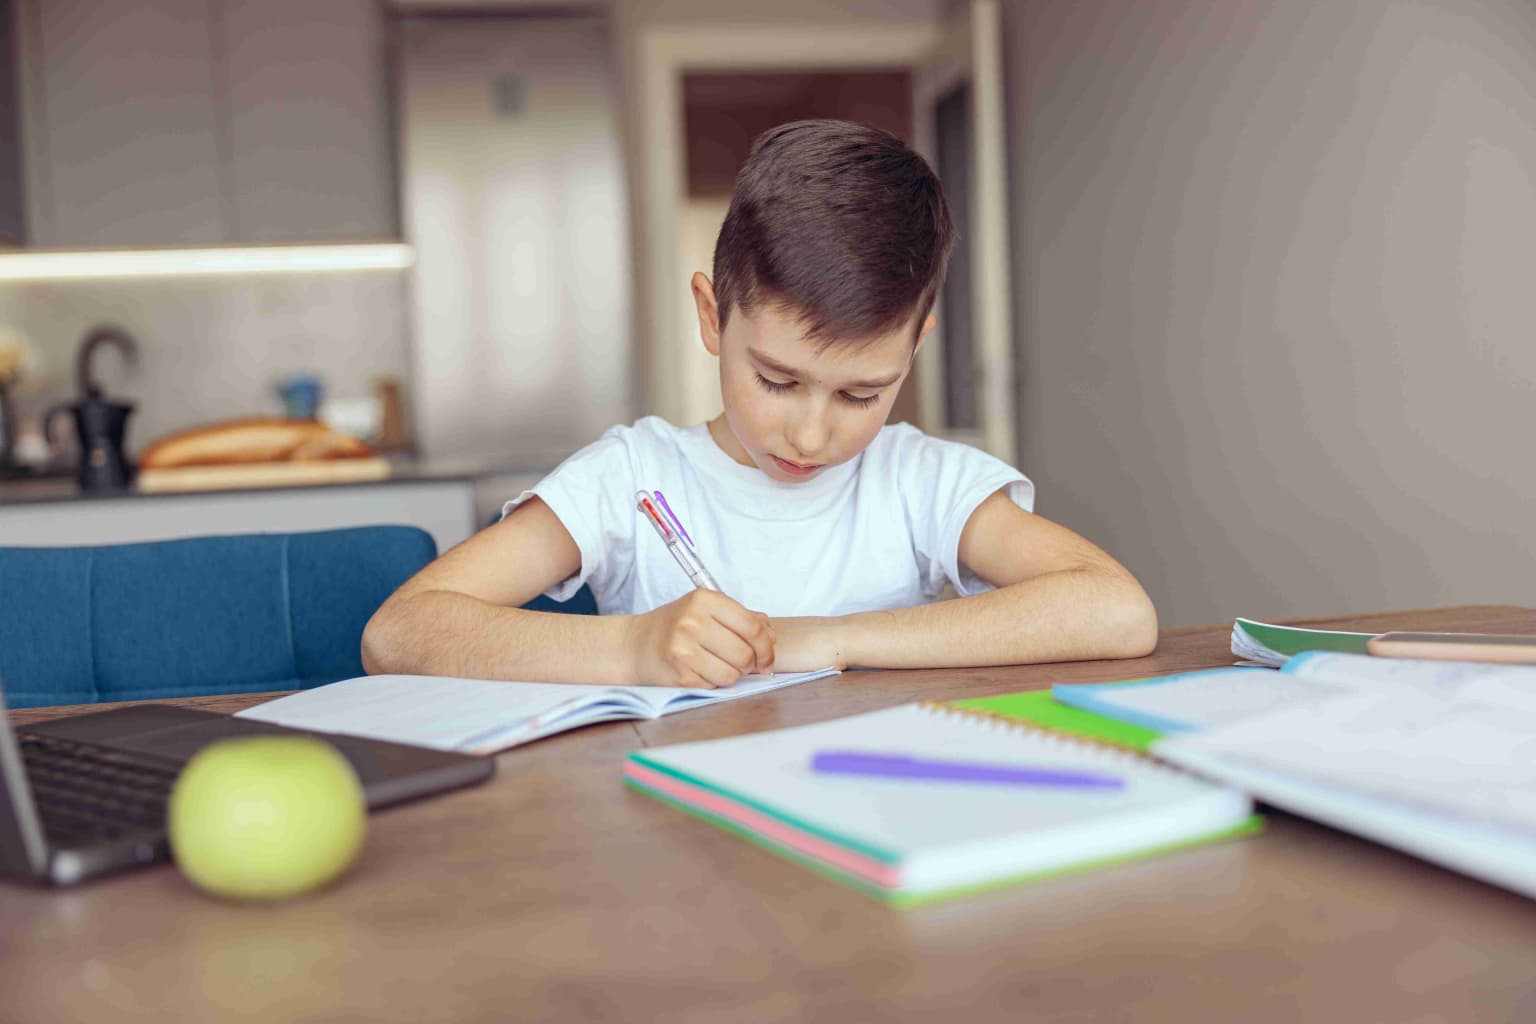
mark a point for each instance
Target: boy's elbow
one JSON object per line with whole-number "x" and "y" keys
{"x": 380, "y": 643}
{"x": 1135, "y": 632}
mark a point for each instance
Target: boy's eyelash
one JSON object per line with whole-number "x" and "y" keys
{"x": 780, "y": 387}
{"x": 777, "y": 387}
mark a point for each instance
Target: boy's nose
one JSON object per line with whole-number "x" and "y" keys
{"x": 808, "y": 435}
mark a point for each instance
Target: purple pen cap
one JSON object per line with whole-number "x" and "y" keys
{"x": 673, "y": 516}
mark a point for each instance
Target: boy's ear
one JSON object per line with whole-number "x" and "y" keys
{"x": 922, "y": 335}
{"x": 709, "y": 312}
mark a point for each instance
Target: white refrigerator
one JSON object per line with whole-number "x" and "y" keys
{"x": 512, "y": 181}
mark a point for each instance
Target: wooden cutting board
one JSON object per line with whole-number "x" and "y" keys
{"x": 262, "y": 474}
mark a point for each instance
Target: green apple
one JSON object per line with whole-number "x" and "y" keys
{"x": 266, "y": 817}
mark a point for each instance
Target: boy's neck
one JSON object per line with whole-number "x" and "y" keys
{"x": 726, "y": 441}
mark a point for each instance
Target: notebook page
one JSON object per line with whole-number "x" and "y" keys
{"x": 1498, "y": 855}
{"x": 1512, "y": 686}
{"x": 1204, "y": 699}
{"x": 947, "y": 834}
{"x": 1460, "y": 757}
{"x": 1247, "y": 649}
{"x": 663, "y": 700}
{"x": 428, "y": 711}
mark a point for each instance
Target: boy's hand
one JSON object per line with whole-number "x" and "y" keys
{"x": 702, "y": 639}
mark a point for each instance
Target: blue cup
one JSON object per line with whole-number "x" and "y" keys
{"x": 301, "y": 396}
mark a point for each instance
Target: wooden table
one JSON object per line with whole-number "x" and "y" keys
{"x": 555, "y": 892}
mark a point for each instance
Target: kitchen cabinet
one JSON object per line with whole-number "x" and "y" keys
{"x": 187, "y": 122}
{"x": 120, "y": 140}
{"x": 12, "y": 226}
{"x": 311, "y": 149}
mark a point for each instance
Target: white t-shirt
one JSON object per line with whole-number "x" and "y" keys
{"x": 879, "y": 531}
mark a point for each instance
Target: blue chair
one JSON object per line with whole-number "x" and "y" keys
{"x": 581, "y": 603}
{"x": 206, "y": 615}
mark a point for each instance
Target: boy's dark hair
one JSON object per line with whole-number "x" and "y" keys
{"x": 840, "y": 223}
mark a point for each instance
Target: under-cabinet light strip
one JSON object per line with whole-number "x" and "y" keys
{"x": 266, "y": 259}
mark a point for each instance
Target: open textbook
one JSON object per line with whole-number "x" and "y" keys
{"x": 481, "y": 716}
{"x": 1436, "y": 758}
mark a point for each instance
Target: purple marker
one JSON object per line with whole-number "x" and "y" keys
{"x": 673, "y": 516}
{"x": 903, "y": 766}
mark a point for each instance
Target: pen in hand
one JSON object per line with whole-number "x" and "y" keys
{"x": 687, "y": 633}
{"x": 686, "y": 558}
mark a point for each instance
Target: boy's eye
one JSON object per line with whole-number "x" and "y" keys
{"x": 863, "y": 403}
{"x": 778, "y": 387}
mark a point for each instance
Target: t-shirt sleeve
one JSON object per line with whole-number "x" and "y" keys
{"x": 942, "y": 483}
{"x": 590, "y": 493}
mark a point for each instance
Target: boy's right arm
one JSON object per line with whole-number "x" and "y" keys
{"x": 460, "y": 616}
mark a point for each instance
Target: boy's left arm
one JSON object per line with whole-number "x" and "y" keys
{"x": 1059, "y": 597}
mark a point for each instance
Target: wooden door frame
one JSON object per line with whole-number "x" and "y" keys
{"x": 972, "y": 53}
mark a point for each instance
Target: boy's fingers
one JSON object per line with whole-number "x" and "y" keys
{"x": 729, "y": 648}
{"x": 762, "y": 655}
{"x": 715, "y": 670}
{"x": 765, "y": 650}
{"x": 762, "y": 651}
{"x": 752, "y": 627}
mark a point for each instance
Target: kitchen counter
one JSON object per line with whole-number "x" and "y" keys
{"x": 402, "y": 470}
{"x": 448, "y": 499}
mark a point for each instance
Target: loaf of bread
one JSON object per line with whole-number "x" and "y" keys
{"x": 238, "y": 442}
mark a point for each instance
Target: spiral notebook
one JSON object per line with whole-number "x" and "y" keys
{"x": 910, "y": 841}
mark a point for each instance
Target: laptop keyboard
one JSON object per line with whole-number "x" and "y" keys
{"x": 86, "y": 793}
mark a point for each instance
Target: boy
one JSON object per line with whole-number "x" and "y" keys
{"x": 829, "y": 533}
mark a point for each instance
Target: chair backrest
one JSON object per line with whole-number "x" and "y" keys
{"x": 234, "y": 614}
{"x": 580, "y": 603}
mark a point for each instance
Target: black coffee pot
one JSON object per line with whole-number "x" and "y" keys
{"x": 100, "y": 423}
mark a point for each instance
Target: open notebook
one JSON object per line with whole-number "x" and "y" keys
{"x": 480, "y": 716}
{"x": 1190, "y": 701}
{"x": 911, "y": 840}
{"x": 1432, "y": 757}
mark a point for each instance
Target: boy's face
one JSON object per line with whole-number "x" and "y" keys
{"x": 790, "y": 410}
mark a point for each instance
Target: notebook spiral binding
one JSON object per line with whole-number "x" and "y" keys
{"x": 1113, "y": 751}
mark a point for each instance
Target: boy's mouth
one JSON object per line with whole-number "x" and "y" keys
{"x": 794, "y": 468}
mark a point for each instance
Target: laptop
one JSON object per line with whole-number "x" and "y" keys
{"x": 86, "y": 796}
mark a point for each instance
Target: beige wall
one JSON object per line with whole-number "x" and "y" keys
{"x": 1275, "y": 294}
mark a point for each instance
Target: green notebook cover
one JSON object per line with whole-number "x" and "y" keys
{"x": 1038, "y": 708}
{"x": 1290, "y": 640}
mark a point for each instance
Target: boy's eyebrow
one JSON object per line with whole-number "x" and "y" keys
{"x": 790, "y": 371}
